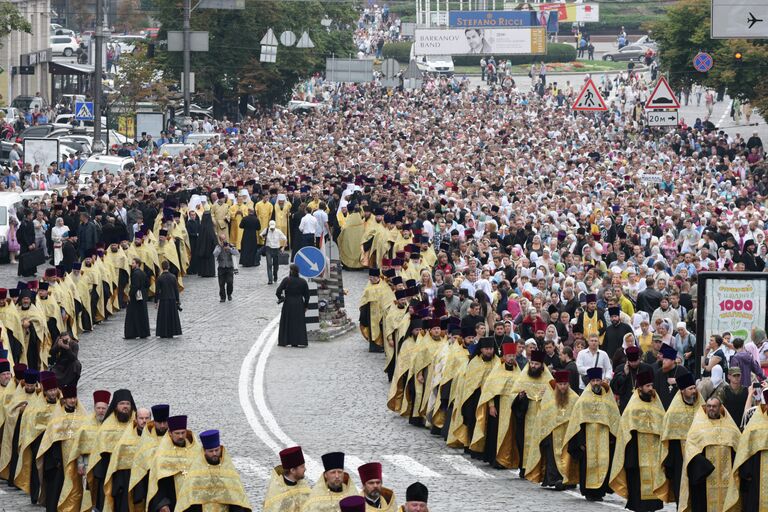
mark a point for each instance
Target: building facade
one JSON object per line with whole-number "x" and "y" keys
{"x": 25, "y": 57}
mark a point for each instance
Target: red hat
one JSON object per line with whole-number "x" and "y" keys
{"x": 49, "y": 382}
{"x": 539, "y": 325}
{"x": 291, "y": 457}
{"x": 508, "y": 349}
{"x": 33, "y": 285}
{"x": 101, "y": 396}
{"x": 19, "y": 369}
{"x": 644, "y": 378}
{"x": 370, "y": 471}
{"x": 50, "y": 272}
{"x": 3, "y": 293}
{"x": 562, "y": 376}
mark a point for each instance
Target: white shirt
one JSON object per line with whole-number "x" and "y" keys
{"x": 321, "y": 220}
{"x": 307, "y": 225}
{"x": 274, "y": 238}
{"x": 586, "y": 360}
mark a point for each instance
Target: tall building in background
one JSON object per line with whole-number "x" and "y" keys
{"x": 22, "y": 52}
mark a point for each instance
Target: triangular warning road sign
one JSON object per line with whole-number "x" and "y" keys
{"x": 662, "y": 96}
{"x": 590, "y": 99}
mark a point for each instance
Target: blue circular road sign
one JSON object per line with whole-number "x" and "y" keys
{"x": 311, "y": 261}
{"x": 703, "y": 62}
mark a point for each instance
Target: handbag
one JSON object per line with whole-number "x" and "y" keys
{"x": 283, "y": 258}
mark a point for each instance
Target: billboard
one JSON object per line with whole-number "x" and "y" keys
{"x": 732, "y": 302}
{"x": 42, "y": 152}
{"x": 492, "y": 19}
{"x": 151, "y": 123}
{"x": 478, "y": 41}
{"x": 348, "y": 70}
{"x": 569, "y": 13}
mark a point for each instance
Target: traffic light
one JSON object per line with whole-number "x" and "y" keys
{"x": 738, "y": 58}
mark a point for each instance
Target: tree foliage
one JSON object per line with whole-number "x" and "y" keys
{"x": 231, "y": 67}
{"x": 139, "y": 80}
{"x": 685, "y": 32}
{"x": 11, "y": 20}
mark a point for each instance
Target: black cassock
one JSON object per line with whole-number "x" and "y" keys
{"x": 120, "y": 496}
{"x": 16, "y": 347}
{"x": 491, "y": 434}
{"x": 574, "y": 449}
{"x": 167, "y": 296}
{"x": 206, "y": 242}
{"x": 165, "y": 496}
{"x": 673, "y": 466}
{"x": 699, "y": 468}
{"x": 14, "y": 450}
{"x": 632, "y": 469}
{"x": 519, "y": 410}
{"x": 293, "y": 329}
{"x": 136, "y": 316}
{"x": 249, "y": 244}
{"x": 53, "y": 471}
{"x": 469, "y": 415}
{"x": 193, "y": 230}
{"x": 749, "y": 473}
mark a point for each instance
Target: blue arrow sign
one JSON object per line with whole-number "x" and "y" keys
{"x": 84, "y": 111}
{"x": 703, "y": 62}
{"x": 311, "y": 261}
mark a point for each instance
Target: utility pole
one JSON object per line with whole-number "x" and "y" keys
{"x": 98, "y": 145}
{"x": 187, "y": 51}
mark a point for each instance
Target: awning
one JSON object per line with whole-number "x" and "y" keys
{"x": 66, "y": 68}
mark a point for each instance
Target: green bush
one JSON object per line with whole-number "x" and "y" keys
{"x": 556, "y": 52}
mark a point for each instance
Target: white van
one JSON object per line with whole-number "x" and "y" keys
{"x": 442, "y": 64}
{"x": 10, "y": 202}
{"x": 110, "y": 164}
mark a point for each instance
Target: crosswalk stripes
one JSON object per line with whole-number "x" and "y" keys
{"x": 465, "y": 467}
{"x": 411, "y": 466}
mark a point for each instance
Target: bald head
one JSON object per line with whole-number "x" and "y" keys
{"x": 143, "y": 415}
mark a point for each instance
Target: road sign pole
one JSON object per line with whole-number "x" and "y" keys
{"x": 98, "y": 145}
{"x": 187, "y": 51}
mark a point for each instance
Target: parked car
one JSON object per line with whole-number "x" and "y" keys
{"x": 40, "y": 131}
{"x": 64, "y": 45}
{"x": 631, "y": 52}
{"x": 27, "y": 103}
{"x": 442, "y": 64}
{"x": 128, "y": 42}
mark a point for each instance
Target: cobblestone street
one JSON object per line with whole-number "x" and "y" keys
{"x": 224, "y": 373}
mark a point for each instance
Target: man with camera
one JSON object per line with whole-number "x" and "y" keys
{"x": 223, "y": 254}
{"x": 63, "y": 360}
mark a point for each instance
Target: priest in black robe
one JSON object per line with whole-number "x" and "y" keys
{"x": 666, "y": 375}
{"x": 206, "y": 243}
{"x": 167, "y": 303}
{"x": 193, "y": 231}
{"x": 136, "y": 316}
{"x": 293, "y": 292}
{"x": 249, "y": 245}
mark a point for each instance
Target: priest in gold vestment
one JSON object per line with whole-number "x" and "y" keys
{"x": 287, "y": 490}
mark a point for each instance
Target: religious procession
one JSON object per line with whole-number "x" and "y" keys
{"x": 620, "y": 414}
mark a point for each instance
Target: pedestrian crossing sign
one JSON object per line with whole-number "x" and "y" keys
{"x": 84, "y": 111}
{"x": 590, "y": 99}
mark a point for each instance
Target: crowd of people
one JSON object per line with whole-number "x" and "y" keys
{"x": 335, "y": 490}
{"x": 481, "y": 209}
{"x": 117, "y": 457}
{"x": 375, "y": 27}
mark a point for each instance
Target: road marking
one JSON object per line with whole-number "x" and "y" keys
{"x": 251, "y": 380}
{"x": 251, "y": 468}
{"x": 465, "y": 467}
{"x": 727, "y": 112}
{"x": 603, "y": 503}
{"x": 411, "y": 466}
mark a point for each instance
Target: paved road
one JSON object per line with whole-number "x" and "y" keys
{"x": 226, "y": 373}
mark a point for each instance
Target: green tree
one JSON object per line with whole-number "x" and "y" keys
{"x": 685, "y": 32}
{"x": 138, "y": 80}
{"x": 231, "y": 67}
{"x": 11, "y": 20}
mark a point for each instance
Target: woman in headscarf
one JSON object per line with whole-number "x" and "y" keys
{"x": 58, "y": 233}
{"x": 206, "y": 243}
